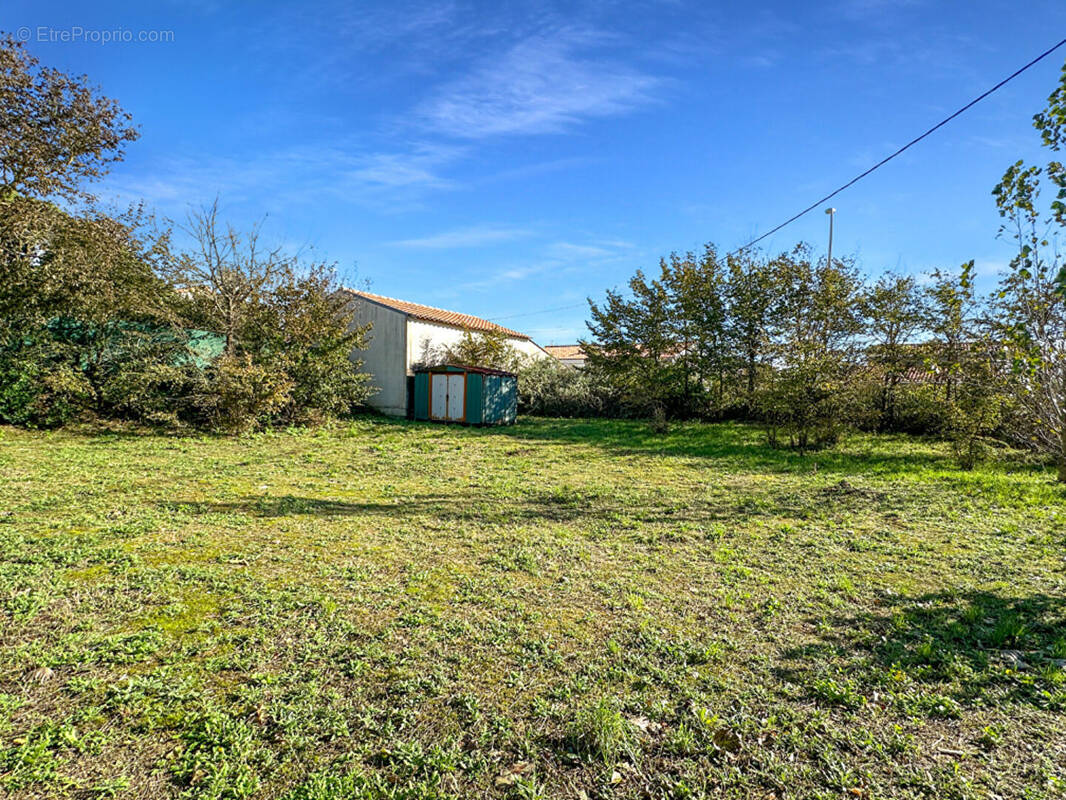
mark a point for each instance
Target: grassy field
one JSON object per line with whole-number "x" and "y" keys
{"x": 558, "y": 609}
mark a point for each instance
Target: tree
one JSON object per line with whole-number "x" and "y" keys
{"x": 1031, "y": 303}
{"x": 227, "y": 274}
{"x": 81, "y": 309}
{"x": 814, "y": 340}
{"x": 96, "y": 310}
{"x": 961, "y": 353}
{"x": 548, "y": 388}
{"x": 304, "y": 328}
{"x": 80, "y": 302}
{"x": 56, "y": 131}
{"x": 697, "y": 290}
{"x": 951, "y": 313}
{"x": 893, "y": 312}
{"x": 288, "y": 329}
{"x": 752, "y": 295}
{"x": 635, "y": 342}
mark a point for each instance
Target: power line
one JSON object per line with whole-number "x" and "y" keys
{"x": 857, "y": 178}
{"x": 541, "y": 311}
{"x": 903, "y": 149}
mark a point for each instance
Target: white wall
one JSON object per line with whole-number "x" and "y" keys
{"x": 530, "y": 348}
{"x": 421, "y": 333}
{"x": 424, "y": 337}
{"x": 385, "y": 358}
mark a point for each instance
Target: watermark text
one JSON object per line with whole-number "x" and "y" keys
{"x": 76, "y": 34}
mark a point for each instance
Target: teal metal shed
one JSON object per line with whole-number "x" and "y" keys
{"x": 470, "y": 395}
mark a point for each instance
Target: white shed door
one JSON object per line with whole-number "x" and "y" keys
{"x": 456, "y": 397}
{"x": 438, "y": 396}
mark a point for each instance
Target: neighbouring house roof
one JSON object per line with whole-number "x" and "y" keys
{"x": 438, "y": 315}
{"x": 562, "y": 351}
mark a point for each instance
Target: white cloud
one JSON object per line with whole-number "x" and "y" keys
{"x": 464, "y": 237}
{"x": 388, "y": 181}
{"x": 556, "y": 259}
{"x": 417, "y": 167}
{"x": 543, "y": 84}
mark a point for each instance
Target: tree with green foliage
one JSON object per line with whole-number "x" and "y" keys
{"x": 548, "y": 388}
{"x": 952, "y": 318}
{"x": 305, "y": 329}
{"x": 809, "y": 396}
{"x": 288, "y": 329}
{"x": 697, "y": 289}
{"x": 893, "y": 316}
{"x": 57, "y": 132}
{"x": 83, "y": 310}
{"x": 752, "y": 301}
{"x": 78, "y": 292}
{"x": 226, "y": 274}
{"x": 635, "y": 344}
{"x": 1031, "y": 303}
{"x": 488, "y": 348}
{"x": 962, "y": 356}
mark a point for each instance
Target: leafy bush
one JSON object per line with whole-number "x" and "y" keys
{"x": 476, "y": 349}
{"x": 303, "y": 329}
{"x": 39, "y": 387}
{"x": 242, "y": 395}
{"x": 811, "y": 407}
{"x": 550, "y": 389}
{"x": 920, "y": 409}
{"x": 160, "y": 393}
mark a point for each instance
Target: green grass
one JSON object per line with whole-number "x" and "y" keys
{"x": 558, "y": 609}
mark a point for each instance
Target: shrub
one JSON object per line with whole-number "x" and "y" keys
{"x": 304, "y": 329}
{"x": 39, "y": 387}
{"x": 659, "y": 424}
{"x": 550, "y": 389}
{"x": 921, "y": 409}
{"x": 160, "y": 394}
{"x": 242, "y": 395}
{"x": 811, "y": 407}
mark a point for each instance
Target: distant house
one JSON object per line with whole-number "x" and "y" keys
{"x": 573, "y": 355}
{"x": 404, "y": 334}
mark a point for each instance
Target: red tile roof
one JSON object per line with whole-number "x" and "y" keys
{"x": 438, "y": 315}
{"x": 565, "y": 350}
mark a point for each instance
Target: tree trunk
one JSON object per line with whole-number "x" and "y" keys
{"x": 751, "y": 381}
{"x": 1062, "y": 455}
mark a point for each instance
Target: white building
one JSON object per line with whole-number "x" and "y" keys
{"x": 404, "y": 333}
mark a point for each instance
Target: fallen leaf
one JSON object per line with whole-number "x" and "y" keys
{"x": 42, "y": 674}
{"x": 510, "y": 774}
{"x": 644, "y": 724}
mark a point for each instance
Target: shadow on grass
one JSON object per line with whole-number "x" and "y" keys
{"x": 737, "y": 445}
{"x": 930, "y": 654}
{"x": 558, "y": 505}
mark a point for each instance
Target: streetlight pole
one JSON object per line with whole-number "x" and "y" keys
{"x": 829, "y": 259}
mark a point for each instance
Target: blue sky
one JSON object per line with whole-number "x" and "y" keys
{"x": 504, "y": 158}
